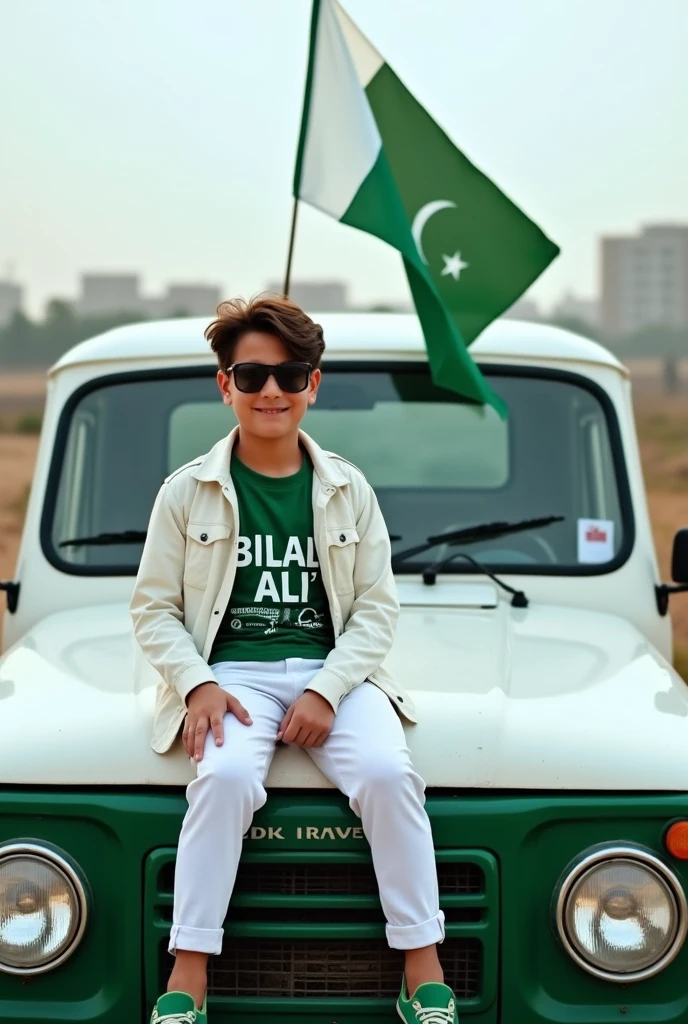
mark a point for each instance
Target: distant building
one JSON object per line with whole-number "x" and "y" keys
{"x": 524, "y": 309}
{"x": 105, "y": 294}
{"x": 10, "y": 301}
{"x": 386, "y": 306}
{"x": 645, "y": 279}
{"x": 572, "y": 307}
{"x": 315, "y": 296}
{"x": 108, "y": 294}
{"x": 192, "y": 299}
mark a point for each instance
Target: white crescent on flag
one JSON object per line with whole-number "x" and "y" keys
{"x": 421, "y": 219}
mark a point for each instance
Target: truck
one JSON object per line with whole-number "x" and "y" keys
{"x": 534, "y": 639}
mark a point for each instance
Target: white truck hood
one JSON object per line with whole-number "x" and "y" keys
{"x": 548, "y": 697}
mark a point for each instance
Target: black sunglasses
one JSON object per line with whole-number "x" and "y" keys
{"x": 252, "y": 377}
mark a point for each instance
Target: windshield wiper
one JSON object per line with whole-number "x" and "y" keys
{"x": 104, "y": 539}
{"x": 485, "y": 531}
{"x": 482, "y": 531}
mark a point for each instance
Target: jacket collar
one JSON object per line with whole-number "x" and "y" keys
{"x": 216, "y": 464}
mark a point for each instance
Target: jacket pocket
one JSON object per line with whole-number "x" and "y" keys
{"x": 201, "y": 548}
{"x": 341, "y": 548}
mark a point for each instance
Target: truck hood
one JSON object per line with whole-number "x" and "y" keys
{"x": 547, "y": 697}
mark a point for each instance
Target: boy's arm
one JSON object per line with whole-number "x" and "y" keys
{"x": 369, "y": 632}
{"x": 157, "y": 604}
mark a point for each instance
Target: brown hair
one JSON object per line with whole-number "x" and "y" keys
{"x": 268, "y": 314}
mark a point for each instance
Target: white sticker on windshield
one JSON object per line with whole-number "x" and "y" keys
{"x": 595, "y": 540}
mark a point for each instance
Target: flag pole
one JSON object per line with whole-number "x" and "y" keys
{"x": 315, "y": 12}
{"x": 292, "y": 236}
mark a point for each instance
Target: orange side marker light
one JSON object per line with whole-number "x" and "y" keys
{"x": 676, "y": 840}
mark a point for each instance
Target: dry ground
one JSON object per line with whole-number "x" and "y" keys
{"x": 20, "y": 394}
{"x": 17, "y": 457}
{"x": 663, "y": 432}
{"x": 662, "y": 427}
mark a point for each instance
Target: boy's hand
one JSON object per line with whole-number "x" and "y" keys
{"x": 207, "y": 705}
{"x": 308, "y": 722}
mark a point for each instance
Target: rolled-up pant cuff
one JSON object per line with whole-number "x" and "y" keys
{"x": 199, "y": 940}
{"x": 415, "y": 936}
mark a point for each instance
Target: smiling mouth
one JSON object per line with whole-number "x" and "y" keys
{"x": 271, "y": 412}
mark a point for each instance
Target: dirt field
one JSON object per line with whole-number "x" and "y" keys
{"x": 17, "y": 456}
{"x": 662, "y": 426}
{"x": 20, "y": 394}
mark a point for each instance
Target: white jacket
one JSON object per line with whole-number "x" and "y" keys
{"x": 189, "y": 563}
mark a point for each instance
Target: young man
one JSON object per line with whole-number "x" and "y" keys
{"x": 266, "y": 602}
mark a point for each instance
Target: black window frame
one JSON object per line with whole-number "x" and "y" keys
{"x": 351, "y": 366}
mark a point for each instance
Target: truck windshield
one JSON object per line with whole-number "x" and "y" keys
{"x": 437, "y": 464}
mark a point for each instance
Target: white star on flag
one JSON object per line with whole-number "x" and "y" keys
{"x": 453, "y": 265}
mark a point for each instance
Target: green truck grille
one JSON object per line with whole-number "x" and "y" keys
{"x": 335, "y": 970}
{"x": 320, "y": 879}
{"x": 308, "y": 926}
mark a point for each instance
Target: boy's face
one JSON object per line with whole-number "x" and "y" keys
{"x": 269, "y": 413}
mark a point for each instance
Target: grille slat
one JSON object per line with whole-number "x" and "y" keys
{"x": 248, "y": 968}
{"x": 334, "y": 879}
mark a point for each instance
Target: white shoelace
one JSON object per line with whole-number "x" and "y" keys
{"x": 175, "y": 1018}
{"x": 434, "y": 1014}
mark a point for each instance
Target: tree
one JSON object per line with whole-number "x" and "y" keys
{"x": 24, "y": 343}
{"x": 59, "y": 315}
{"x": 16, "y": 341}
{"x": 659, "y": 341}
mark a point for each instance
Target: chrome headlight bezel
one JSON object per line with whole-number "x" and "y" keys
{"x": 644, "y": 858}
{"x": 59, "y": 861}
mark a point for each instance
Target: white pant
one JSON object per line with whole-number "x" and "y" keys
{"x": 365, "y": 756}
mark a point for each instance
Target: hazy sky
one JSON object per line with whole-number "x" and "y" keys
{"x": 159, "y": 135}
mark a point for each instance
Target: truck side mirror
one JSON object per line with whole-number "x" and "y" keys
{"x": 679, "y": 572}
{"x": 12, "y": 591}
{"x": 679, "y": 557}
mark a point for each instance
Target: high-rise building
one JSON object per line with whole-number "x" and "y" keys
{"x": 103, "y": 294}
{"x": 315, "y": 296}
{"x": 10, "y": 301}
{"x": 645, "y": 279}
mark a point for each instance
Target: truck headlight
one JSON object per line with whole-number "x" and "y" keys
{"x": 43, "y": 908}
{"x": 621, "y": 914}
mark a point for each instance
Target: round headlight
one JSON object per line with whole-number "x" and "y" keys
{"x": 621, "y": 913}
{"x": 42, "y": 909}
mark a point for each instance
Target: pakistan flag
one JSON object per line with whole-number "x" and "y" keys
{"x": 370, "y": 156}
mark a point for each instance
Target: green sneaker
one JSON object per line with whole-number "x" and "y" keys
{"x": 178, "y": 1008}
{"x": 432, "y": 1003}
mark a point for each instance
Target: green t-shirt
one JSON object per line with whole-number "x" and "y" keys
{"x": 278, "y": 608}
